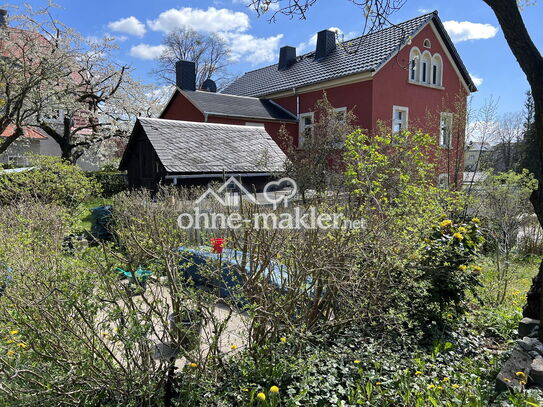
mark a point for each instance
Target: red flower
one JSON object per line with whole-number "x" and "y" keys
{"x": 218, "y": 244}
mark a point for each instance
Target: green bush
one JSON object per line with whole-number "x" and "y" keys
{"x": 111, "y": 182}
{"x": 50, "y": 181}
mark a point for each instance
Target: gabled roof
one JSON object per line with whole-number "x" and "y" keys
{"x": 194, "y": 147}
{"x": 29, "y": 132}
{"x": 243, "y": 107}
{"x": 363, "y": 54}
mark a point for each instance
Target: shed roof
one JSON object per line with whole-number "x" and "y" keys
{"x": 194, "y": 147}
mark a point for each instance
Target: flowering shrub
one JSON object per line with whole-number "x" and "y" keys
{"x": 446, "y": 261}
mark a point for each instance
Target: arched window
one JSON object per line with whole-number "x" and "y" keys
{"x": 414, "y": 64}
{"x": 427, "y": 43}
{"x": 426, "y": 62}
{"x": 437, "y": 70}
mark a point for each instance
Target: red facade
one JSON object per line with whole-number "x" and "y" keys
{"x": 372, "y": 97}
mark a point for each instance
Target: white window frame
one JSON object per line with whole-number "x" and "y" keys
{"x": 414, "y": 65}
{"x": 443, "y": 141}
{"x": 443, "y": 180}
{"x": 427, "y": 43}
{"x": 342, "y": 110}
{"x": 437, "y": 64}
{"x": 302, "y": 127}
{"x": 405, "y": 122}
{"x": 17, "y": 160}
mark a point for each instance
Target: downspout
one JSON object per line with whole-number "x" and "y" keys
{"x": 297, "y": 103}
{"x": 205, "y": 117}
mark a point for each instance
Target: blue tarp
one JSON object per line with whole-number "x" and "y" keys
{"x": 201, "y": 258}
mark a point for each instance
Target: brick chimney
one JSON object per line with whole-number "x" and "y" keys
{"x": 185, "y": 75}
{"x": 326, "y": 43}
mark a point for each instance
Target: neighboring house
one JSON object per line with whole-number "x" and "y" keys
{"x": 190, "y": 153}
{"x": 406, "y": 76}
{"x": 17, "y": 153}
{"x": 472, "y": 178}
{"x": 475, "y": 154}
{"x": 13, "y": 44}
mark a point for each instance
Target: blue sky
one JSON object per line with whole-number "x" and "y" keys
{"x": 141, "y": 25}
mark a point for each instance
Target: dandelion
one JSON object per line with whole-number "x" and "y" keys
{"x": 445, "y": 379}
{"x": 446, "y": 223}
{"x": 507, "y": 380}
{"x": 440, "y": 387}
{"x": 10, "y": 353}
{"x": 14, "y": 332}
{"x": 283, "y": 339}
{"x": 245, "y": 389}
{"x": 458, "y": 236}
{"x": 477, "y": 268}
{"x": 356, "y": 362}
{"x": 455, "y": 386}
{"x": 10, "y": 341}
{"x": 462, "y": 229}
{"x": 378, "y": 383}
{"x": 21, "y": 345}
{"x": 462, "y": 267}
{"x": 431, "y": 386}
{"x": 476, "y": 220}
{"x": 233, "y": 347}
{"x": 193, "y": 365}
{"x": 261, "y": 396}
{"x": 418, "y": 373}
{"x": 520, "y": 374}
{"x": 274, "y": 389}
{"x": 522, "y": 382}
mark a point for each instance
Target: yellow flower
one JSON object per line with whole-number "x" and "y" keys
{"x": 458, "y": 236}
{"x": 245, "y": 389}
{"x": 261, "y": 396}
{"x": 378, "y": 383}
{"x": 455, "y": 386}
{"x": 10, "y": 341}
{"x": 440, "y": 387}
{"x": 476, "y": 220}
{"x": 507, "y": 380}
{"x": 10, "y": 353}
{"x": 522, "y": 382}
{"x": 194, "y": 364}
{"x": 21, "y": 345}
{"x": 477, "y": 268}
{"x": 274, "y": 389}
{"x": 233, "y": 347}
{"x": 283, "y": 339}
{"x": 14, "y": 332}
{"x": 418, "y": 372}
{"x": 431, "y": 386}
{"x": 462, "y": 267}
{"x": 462, "y": 229}
{"x": 520, "y": 374}
{"x": 356, "y": 362}
{"x": 446, "y": 223}
{"x": 445, "y": 379}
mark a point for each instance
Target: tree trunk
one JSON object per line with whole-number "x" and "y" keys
{"x": 531, "y": 62}
{"x": 9, "y": 140}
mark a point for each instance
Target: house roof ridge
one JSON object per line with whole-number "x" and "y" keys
{"x": 433, "y": 13}
{"x": 195, "y": 123}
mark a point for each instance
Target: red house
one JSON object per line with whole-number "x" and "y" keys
{"x": 407, "y": 75}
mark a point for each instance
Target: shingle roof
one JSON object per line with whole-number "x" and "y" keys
{"x": 29, "y": 132}
{"x": 195, "y": 147}
{"x": 217, "y": 104}
{"x": 362, "y": 54}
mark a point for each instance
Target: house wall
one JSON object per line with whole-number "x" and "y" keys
{"x": 356, "y": 97}
{"x": 392, "y": 88}
{"x": 143, "y": 167}
{"x": 20, "y": 149}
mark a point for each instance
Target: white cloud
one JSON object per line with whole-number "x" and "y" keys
{"x": 253, "y": 49}
{"x": 476, "y": 80}
{"x": 130, "y": 25}
{"x": 466, "y": 30}
{"x": 424, "y": 10}
{"x": 146, "y": 51}
{"x": 210, "y": 20}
